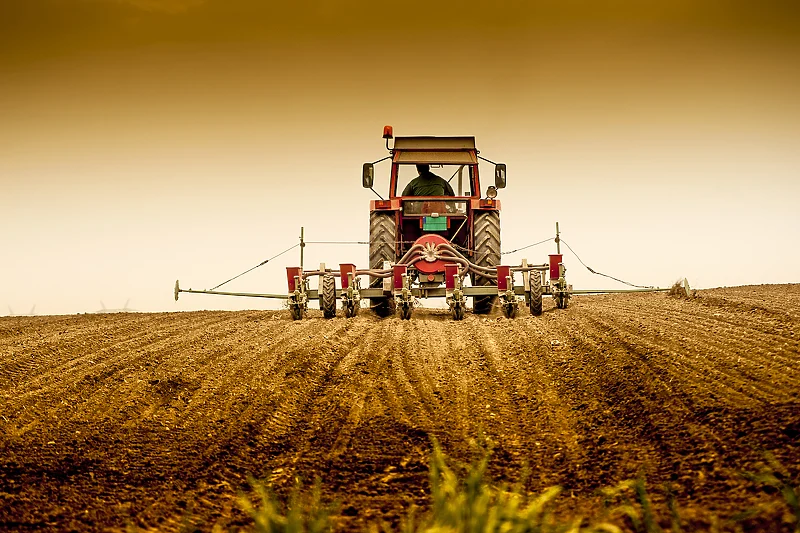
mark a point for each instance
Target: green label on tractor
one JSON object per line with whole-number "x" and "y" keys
{"x": 434, "y": 223}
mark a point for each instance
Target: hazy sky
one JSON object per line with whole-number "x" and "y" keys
{"x": 145, "y": 140}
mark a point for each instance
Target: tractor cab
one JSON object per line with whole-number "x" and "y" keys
{"x": 451, "y": 159}
{"x": 454, "y": 159}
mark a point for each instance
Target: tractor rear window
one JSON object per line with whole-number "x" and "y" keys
{"x": 406, "y": 173}
{"x": 439, "y": 207}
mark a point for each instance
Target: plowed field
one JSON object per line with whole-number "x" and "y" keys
{"x": 157, "y": 419}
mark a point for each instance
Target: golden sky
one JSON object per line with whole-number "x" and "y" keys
{"x": 147, "y": 140}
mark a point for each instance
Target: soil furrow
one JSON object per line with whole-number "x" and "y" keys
{"x": 156, "y": 420}
{"x": 727, "y": 335}
{"x": 696, "y": 365}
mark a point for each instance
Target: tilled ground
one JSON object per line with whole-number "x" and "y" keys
{"x": 157, "y": 420}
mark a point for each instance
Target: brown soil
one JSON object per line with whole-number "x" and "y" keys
{"x": 157, "y": 420}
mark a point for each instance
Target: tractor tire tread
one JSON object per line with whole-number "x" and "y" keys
{"x": 536, "y": 293}
{"x": 487, "y": 254}
{"x": 327, "y": 299}
{"x": 382, "y": 239}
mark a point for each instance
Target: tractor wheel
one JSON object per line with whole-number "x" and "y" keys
{"x": 536, "y": 293}
{"x": 487, "y": 254}
{"x": 327, "y": 296}
{"x": 382, "y": 238}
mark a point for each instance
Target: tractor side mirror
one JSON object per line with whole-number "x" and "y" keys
{"x": 368, "y": 175}
{"x": 500, "y": 175}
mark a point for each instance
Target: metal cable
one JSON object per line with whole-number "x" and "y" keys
{"x": 352, "y": 242}
{"x": 529, "y": 246}
{"x": 336, "y": 242}
{"x": 590, "y": 269}
{"x": 264, "y": 262}
{"x": 504, "y": 253}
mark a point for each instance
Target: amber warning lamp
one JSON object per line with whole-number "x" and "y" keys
{"x": 387, "y": 134}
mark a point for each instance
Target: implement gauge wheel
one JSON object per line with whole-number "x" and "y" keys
{"x": 382, "y": 237}
{"x": 487, "y": 254}
{"x": 327, "y": 296}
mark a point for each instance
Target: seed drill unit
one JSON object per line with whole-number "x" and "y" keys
{"x": 429, "y": 246}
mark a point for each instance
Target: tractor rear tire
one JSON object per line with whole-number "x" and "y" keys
{"x": 382, "y": 238}
{"x": 327, "y": 296}
{"x": 536, "y": 293}
{"x": 487, "y": 254}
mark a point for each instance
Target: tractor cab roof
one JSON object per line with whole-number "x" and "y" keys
{"x": 444, "y": 150}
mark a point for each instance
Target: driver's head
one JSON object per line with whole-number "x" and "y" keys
{"x": 423, "y": 169}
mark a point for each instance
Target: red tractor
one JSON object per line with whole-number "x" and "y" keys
{"x": 426, "y": 238}
{"x": 437, "y": 240}
{"x": 470, "y": 224}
